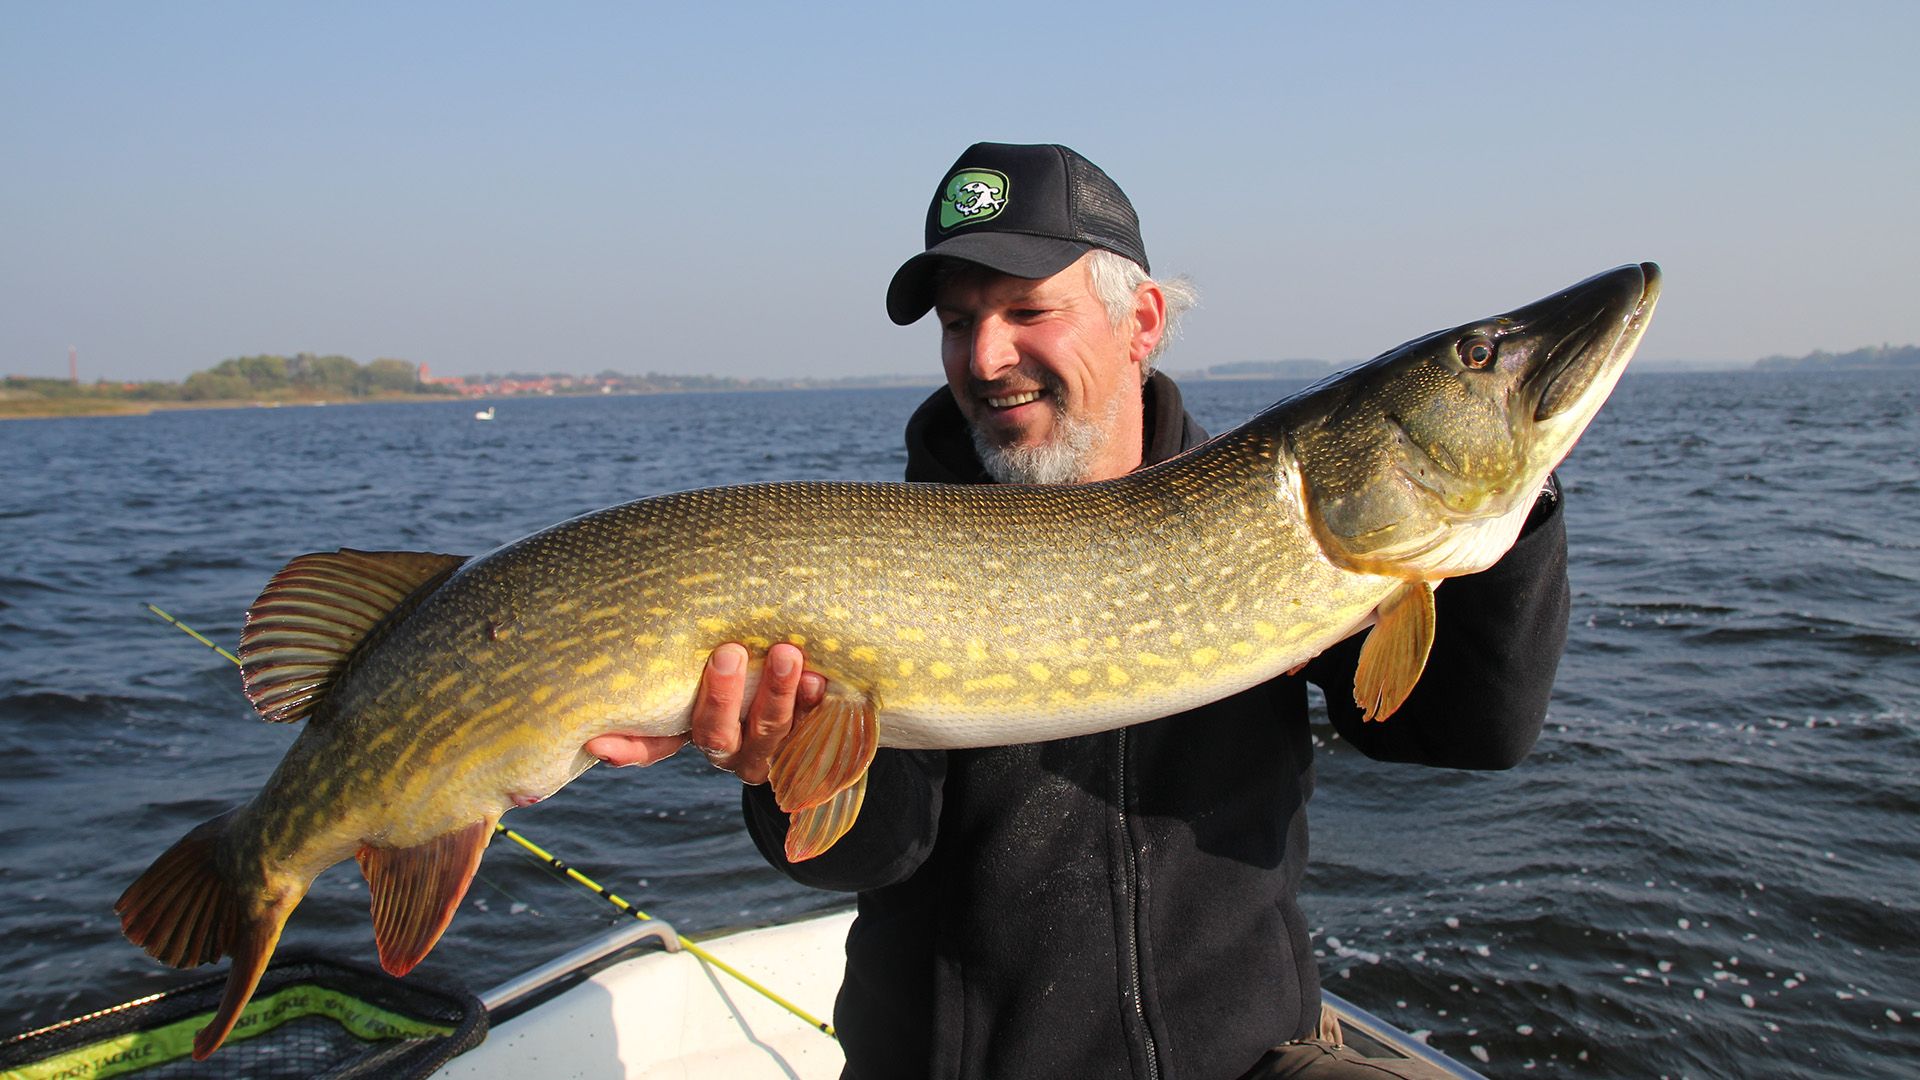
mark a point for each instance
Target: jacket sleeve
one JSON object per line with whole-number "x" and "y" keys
{"x": 1498, "y": 637}
{"x": 898, "y": 821}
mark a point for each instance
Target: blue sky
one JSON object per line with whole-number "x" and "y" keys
{"x": 727, "y": 190}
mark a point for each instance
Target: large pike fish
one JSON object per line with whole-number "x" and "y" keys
{"x": 440, "y": 691}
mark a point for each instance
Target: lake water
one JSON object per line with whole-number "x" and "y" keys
{"x": 1706, "y": 869}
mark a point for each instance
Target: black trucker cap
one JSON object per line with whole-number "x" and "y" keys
{"x": 1029, "y": 211}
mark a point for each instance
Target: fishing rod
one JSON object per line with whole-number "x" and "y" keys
{"x": 572, "y": 874}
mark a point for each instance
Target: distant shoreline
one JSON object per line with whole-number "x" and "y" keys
{"x": 69, "y": 407}
{"x": 72, "y": 407}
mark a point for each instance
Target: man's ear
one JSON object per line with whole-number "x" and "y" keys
{"x": 1149, "y": 321}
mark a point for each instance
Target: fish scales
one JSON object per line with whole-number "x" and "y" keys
{"x": 941, "y": 616}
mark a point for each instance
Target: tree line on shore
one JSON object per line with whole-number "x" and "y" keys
{"x": 265, "y": 377}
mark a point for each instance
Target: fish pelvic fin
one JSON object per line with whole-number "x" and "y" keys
{"x": 316, "y": 612}
{"x": 416, "y": 891}
{"x": 184, "y": 912}
{"x": 819, "y": 775}
{"x": 1395, "y": 652}
{"x": 814, "y": 830}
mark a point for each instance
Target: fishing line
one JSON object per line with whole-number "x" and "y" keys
{"x": 583, "y": 880}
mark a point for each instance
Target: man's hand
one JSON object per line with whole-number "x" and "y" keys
{"x": 740, "y": 742}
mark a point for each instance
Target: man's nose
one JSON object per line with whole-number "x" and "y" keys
{"x": 994, "y": 351}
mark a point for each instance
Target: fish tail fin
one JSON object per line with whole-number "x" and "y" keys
{"x": 184, "y": 912}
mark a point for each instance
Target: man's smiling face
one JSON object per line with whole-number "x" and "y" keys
{"x": 1050, "y": 387}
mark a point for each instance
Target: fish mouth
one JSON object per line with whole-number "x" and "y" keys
{"x": 1604, "y": 318}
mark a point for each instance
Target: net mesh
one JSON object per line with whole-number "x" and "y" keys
{"x": 309, "y": 1018}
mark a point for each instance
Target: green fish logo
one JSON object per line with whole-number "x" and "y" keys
{"x": 971, "y": 197}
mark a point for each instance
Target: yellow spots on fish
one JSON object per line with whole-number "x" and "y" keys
{"x": 692, "y": 580}
{"x": 1001, "y": 681}
{"x": 1204, "y": 657}
{"x": 481, "y": 657}
{"x": 1266, "y": 630}
{"x": 1176, "y": 639}
{"x": 863, "y": 653}
{"x": 644, "y": 641}
{"x": 593, "y": 666}
{"x": 711, "y": 625}
{"x": 659, "y": 612}
{"x": 940, "y": 669}
{"x": 1062, "y": 697}
{"x": 1038, "y": 672}
{"x": 1116, "y": 675}
{"x": 977, "y": 650}
{"x": 539, "y": 694}
{"x": 612, "y": 611}
{"x": 472, "y": 692}
{"x": 796, "y": 570}
{"x": 607, "y": 635}
{"x": 562, "y": 607}
{"x": 1148, "y": 659}
{"x": 838, "y": 613}
{"x": 797, "y": 640}
{"x": 623, "y": 682}
{"x": 756, "y": 642}
{"x": 830, "y": 644}
{"x": 906, "y": 669}
{"x": 1111, "y": 642}
{"x": 659, "y": 664}
{"x": 1241, "y": 648}
{"x": 763, "y": 613}
{"x": 876, "y": 619}
{"x": 443, "y": 684}
{"x": 1079, "y": 676}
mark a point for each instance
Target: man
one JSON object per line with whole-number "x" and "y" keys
{"x": 1119, "y": 904}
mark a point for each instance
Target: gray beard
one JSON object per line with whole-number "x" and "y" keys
{"x": 1068, "y": 458}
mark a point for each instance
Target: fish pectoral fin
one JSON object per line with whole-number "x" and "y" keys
{"x": 316, "y": 612}
{"x": 827, "y": 753}
{"x": 417, "y": 889}
{"x": 812, "y": 831}
{"x": 1395, "y": 652}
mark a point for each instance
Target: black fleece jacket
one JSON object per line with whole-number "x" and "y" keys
{"x": 1123, "y": 904}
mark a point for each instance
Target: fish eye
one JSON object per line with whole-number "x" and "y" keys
{"x": 1476, "y": 352}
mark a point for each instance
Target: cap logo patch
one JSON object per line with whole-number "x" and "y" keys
{"x": 971, "y": 197}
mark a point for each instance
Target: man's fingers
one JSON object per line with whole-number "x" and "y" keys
{"x": 623, "y": 750}
{"x": 716, "y": 708}
{"x": 770, "y": 716}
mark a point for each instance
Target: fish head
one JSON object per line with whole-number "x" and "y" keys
{"x": 1425, "y": 461}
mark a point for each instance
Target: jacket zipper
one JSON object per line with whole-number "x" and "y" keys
{"x": 1131, "y": 884}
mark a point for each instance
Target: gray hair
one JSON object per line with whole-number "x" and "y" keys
{"x": 1117, "y": 278}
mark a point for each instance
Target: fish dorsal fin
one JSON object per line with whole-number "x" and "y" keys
{"x": 315, "y": 612}
{"x": 1395, "y": 652}
{"x": 819, "y": 775}
{"x": 417, "y": 889}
